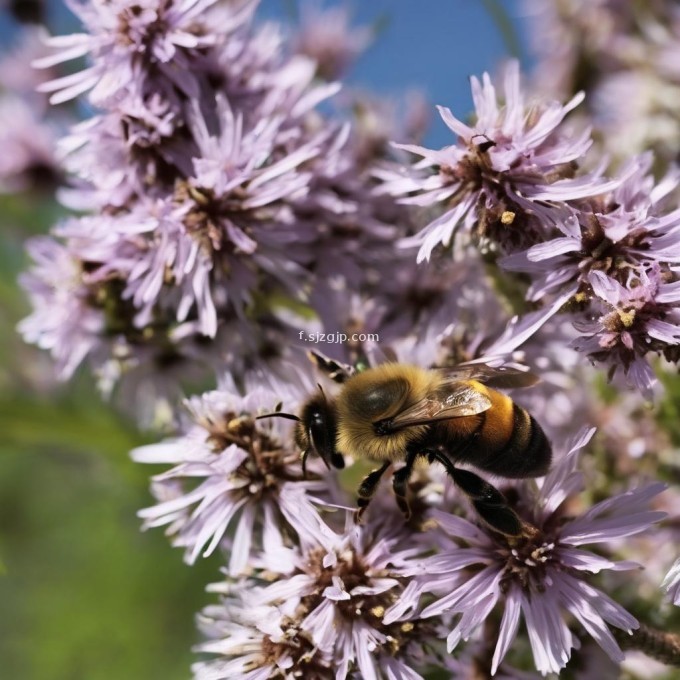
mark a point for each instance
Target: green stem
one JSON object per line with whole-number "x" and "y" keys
{"x": 502, "y": 19}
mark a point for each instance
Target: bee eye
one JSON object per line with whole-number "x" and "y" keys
{"x": 380, "y": 400}
{"x": 322, "y": 431}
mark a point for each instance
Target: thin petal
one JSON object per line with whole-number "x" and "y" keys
{"x": 508, "y": 628}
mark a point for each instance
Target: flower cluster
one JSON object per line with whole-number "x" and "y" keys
{"x": 509, "y": 178}
{"x": 323, "y": 616}
{"x": 218, "y": 195}
{"x": 621, "y": 254}
{"x": 514, "y": 183}
{"x": 631, "y": 235}
{"x": 306, "y": 593}
{"x": 227, "y": 469}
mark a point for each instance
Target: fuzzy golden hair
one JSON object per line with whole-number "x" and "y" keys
{"x": 373, "y": 395}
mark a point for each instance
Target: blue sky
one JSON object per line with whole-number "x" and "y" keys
{"x": 433, "y": 45}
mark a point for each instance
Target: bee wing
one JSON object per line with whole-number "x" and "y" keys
{"x": 451, "y": 400}
{"x": 495, "y": 376}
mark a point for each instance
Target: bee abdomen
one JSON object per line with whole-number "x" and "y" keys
{"x": 527, "y": 452}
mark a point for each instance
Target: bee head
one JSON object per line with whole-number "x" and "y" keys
{"x": 316, "y": 430}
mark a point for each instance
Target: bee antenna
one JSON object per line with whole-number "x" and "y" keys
{"x": 288, "y": 416}
{"x": 321, "y": 390}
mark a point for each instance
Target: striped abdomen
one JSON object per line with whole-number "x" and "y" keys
{"x": 504, "y": 440}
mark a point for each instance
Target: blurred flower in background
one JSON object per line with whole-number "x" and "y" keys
{"x": 672, "y": 583}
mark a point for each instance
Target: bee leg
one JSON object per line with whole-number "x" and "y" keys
{"x": 488, "y": 501}
{"x": 400, "y": 482}
{"x": 305, "y": 455}
{"x": 368, "y": 488}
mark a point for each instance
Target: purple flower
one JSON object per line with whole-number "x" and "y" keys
{"x": 648, "y": 121}
{"x": 614, "y": 234}
{"x": 143, "y": 47}
{"x": 228, "y": 470}
{"x": 81, "y": 308}
{"x": 83, "y": 311}
{"x": 325, "y": 37}
{"x": 566, "y": 34}
{"x": 228, "y": 227}
{"x": 17, "y": 75}
{"x": 541, "y": 576}
{"x": 324, "y": 611}
{"x": 28, "y": 159}
{"x": 117, "y": 157}
{"x": 439, "y": 315}
{"x": 62, "y": 320}
{"x": 672, "y": 583}
{"x": 212, "y": 215}
{"x": 642, "y": 316}
{"x": 253, "y": 639}
{"x": 619, "y": 257}
{"x": 627, "y": 61}
{"x": 478, "y": 331}
{"x": 507, "y": 178}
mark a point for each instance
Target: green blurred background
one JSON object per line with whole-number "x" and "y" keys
{"x": 85, "y": 594}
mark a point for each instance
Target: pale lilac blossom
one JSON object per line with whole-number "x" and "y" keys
{"x": 620, "y": 257}
{"x": 28, "y": 160}
{"x": 103, "y": 299}
{"x": 330, "y": 595}
{"x": 615, "y": 234}
{"x": 325, "y": 35}
{"x": 28, "y": 131}
{"x": 140, "y": 48}
{"x": 642, "y": 317}
{"x": 637, "y": 106}
{"x": 234, "y": 471}
{"x": 566, "y": 32}
{"x": 122, "y": 155}
{"x": 62, "y": 321}
{"x": 202, "y": 209}
{"x": 625, "y": 58}
{"x": 509, "y": 177}
{"x": 17, "y": 75}
{"x": 253, "y": 639}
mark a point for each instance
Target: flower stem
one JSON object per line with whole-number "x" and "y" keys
{"x": 501, "y": 18}
{"x": 664, "y": 647}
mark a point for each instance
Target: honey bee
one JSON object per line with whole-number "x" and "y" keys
{"x": 398, "y": 412}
